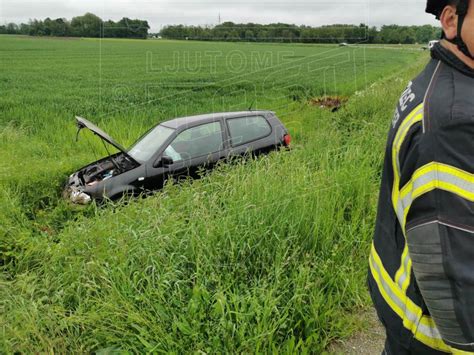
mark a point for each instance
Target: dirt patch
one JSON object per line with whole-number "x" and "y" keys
{"x": 330, "y": 102}
{"x": 369, "y": 341}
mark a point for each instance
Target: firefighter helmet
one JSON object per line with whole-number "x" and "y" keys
{"x": 436, "y": 7}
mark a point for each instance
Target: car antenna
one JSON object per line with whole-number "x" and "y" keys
{"x": 250, "y": 107}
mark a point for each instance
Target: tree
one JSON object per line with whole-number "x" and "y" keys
{"x": 24, "y": 29}
{"x": 36, "y": 28}
{"x": 88, "y": 25}
{"x": 59, "y": 27}
{"x": 12, "y": 29}
{"x": 129, "y": 28}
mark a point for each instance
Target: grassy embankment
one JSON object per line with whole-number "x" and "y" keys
{"x": 266, "y": 255}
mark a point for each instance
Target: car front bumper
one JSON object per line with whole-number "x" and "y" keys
{"x": 74, "y": 192}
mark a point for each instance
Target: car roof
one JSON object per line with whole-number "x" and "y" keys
{"x": 194, "y": 120}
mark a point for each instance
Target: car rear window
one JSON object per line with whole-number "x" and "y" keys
{"x": 246, "y": 129}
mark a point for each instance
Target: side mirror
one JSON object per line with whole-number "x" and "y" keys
{"x": 164, "y": 161}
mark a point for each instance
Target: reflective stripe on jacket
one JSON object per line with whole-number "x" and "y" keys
{"x": 421, "y": 265}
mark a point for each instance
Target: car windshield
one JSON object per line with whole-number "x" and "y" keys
{"x": 146, "y": 146}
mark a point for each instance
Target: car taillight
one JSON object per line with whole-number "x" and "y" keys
{"x": 286, "y": 140}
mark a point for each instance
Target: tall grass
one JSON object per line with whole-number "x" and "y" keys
{"x": 262, "y": 255}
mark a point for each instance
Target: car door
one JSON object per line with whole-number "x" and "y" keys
{"x": 195, "y": 148}
{"x": 251, "y": 133}
{"x": 207, "y": 147}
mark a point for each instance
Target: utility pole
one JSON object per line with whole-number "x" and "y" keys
{"x": 219, "y": 20}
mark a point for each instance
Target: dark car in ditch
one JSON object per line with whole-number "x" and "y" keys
{"x": 177, "y": 148}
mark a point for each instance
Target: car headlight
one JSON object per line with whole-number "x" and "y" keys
{"x": 80, "y": 197}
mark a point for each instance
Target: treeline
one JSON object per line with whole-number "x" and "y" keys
{"x": 280, "y": 32}
{"x": 88, "y": 25}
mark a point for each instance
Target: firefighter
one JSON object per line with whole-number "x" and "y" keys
{"x": 421, "y": 265}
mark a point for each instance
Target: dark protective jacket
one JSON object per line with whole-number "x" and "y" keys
{"x": 421, "y": 266}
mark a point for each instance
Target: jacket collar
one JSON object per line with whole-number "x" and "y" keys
{"x": 448, "y": 57}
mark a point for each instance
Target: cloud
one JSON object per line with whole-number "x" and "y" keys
{"x": 164, "y": 12}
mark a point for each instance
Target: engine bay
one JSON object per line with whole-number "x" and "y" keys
{"x": 106, "y": 168}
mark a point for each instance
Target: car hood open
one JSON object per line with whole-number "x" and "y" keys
{"x": 83, "y": 123}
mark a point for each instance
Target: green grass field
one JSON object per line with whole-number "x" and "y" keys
{"x": 267, "y": 255}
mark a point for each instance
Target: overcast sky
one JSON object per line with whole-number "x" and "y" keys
{"x": 162, "y": 12}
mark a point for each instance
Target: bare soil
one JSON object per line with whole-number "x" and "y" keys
{"x": 329, "y": 102}
{"x": 369, "y": 341}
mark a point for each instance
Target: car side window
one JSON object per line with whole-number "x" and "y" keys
{"x": 247, "y": 129}
{"x": 196, "y": 141}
